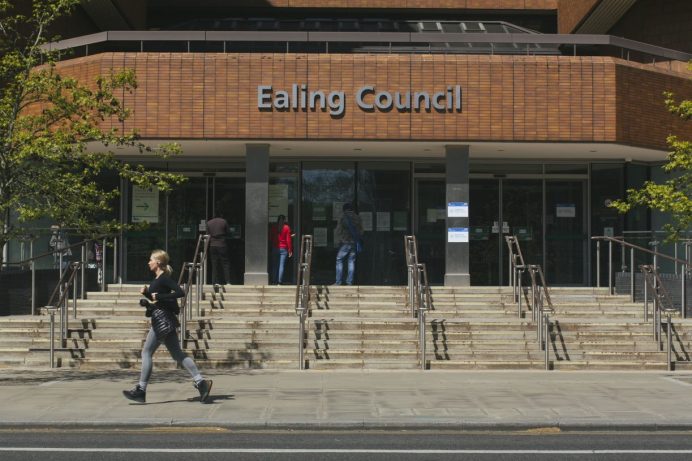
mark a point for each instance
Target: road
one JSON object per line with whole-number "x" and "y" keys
{"x": 211, "y": 444}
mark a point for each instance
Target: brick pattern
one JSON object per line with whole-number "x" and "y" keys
{"x": 506, "y": 98}
{"x": 642, "y": 115}
{"x": 570, "y": 13}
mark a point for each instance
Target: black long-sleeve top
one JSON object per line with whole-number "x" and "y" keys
{"x": 167, "y": 291}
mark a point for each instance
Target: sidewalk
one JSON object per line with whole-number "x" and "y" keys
{"x": 353, "y": 399}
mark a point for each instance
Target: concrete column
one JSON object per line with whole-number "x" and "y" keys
{"x": 256, "y": 213}
{"x": 457, "y": 190}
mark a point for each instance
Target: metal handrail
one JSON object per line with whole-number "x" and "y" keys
{"x": 424, "y": 305}
{"x": 61, "y": 292}
{"x": 411, "y": 252}
{"x": 194, "y": 276}
{"x": 365, "y": 37}
{"x": 517, "y": 266}
{"x": 539, "y": 296}
{"x": 302, "y": 301}
{"x": 685, "y": 265}
{"x": 662, "y": 305}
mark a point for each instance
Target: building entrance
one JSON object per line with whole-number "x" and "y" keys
{"x": 180, "y": 214}
{"x": 381, "y": 195}
{"x": 547, "y": 216}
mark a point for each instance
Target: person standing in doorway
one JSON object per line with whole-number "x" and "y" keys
{"x": 349, "y": 233}
{"x": 282, "y": 248}
{"x": 162, "y": 306}
{"x": 217, "y": 228}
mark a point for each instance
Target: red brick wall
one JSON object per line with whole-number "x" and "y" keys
{"x": 642, "y": 116}
{"x": 506, "y": 98}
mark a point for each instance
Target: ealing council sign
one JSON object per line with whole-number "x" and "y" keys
{"x": 367, "y": 98}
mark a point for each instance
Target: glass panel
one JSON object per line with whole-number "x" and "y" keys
{"x": 228, "y": 200}
{"x": 384, "y": 201}
{"x": 484, "y": 232}
{"x": 522, "y": 210}
{"x": 282, "y": 200}
{"x": 187, "y": 206}
{"x": 606, "y": 185}
{"x": 325, "y": 189}
{"x": 566, "y": 239}
{"x": 139, "y": 244}
{"x": 431, "y": 227}
{"x": 567, "y": 168}
{"x": 506, "y": 168}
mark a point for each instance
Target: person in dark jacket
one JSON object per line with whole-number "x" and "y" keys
{"x": 162, "y": 307}
{"x": 349, "y": 233}
{"x": 217, "y": 227}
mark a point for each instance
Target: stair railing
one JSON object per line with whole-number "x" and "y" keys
{"x": 541, "y": 307}
{"x": 411, "y": 252}
{"x": 662, "y": 304}
{"x": 684, "y": 265}
{"x": 424, "y": 303}
{"x": 58, "y": 301}
{"x": 192, "y": 274}
{"x": 302, "y": 302}
{"x": 517, "y": 266}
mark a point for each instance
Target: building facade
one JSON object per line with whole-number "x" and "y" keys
{"x": 458, "y": 121}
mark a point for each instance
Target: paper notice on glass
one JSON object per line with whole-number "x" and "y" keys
{"x": 319, "y": 213}
{"x": 337, "y": 210}
{"x": 278, "y": 200}
{"x": 566, "y": 210}
{"x": 399, "y": 221}
{"x": 383, "y": 221}
{"x": 458, "y": 234}
{"x": 145, "y": 205}
{"x": 366, "y": 219}
{"x": 319, "y": 236}
{"x": 458, "y": 209}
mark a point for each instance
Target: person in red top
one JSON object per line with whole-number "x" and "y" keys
{"x": 282, "y": 248}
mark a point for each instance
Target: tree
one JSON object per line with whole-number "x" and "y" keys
{"x": 53, "y": 147}
{"x": 673, "y": 196}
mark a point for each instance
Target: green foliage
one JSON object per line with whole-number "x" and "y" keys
{"x": 53, "y": 151}
{"x": 673, "y": 196}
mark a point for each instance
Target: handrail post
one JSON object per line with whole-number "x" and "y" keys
{"x": 598, "y": 263}
{"x": 646, "y": 298}
{"x": 83, "y": 271}
{"x": 52, "y": 338}
{"x": 74, "y": 292}
{"x": 104, "y": 260}
{"x": 520, "y": 272}
{"x": 115, "y": 259}
{"x": 33, "y": 287}
{"x": 610, "y": 267}
{"x": 670, "y": 344}
{"x": 631, "y": 273}
{"x": 547, "y": 342}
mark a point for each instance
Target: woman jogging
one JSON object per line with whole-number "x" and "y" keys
{"x": 162, "y": 307}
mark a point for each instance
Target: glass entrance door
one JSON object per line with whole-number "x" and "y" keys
{"x": 182, "y": 211}
{"x": 430, "y": 226}
{"x": 555, "y": 238}
{"x": 500, "y": 207}
{"x": 381, "y": 195}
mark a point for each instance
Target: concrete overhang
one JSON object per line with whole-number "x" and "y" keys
{"x": 510, "y": 151}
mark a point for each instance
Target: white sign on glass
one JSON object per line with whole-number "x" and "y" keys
{"x": 145, "y": 205}
{"x": 566, "y": 210}
{"x": 278, "y": 200}
{"x": 458, "y": 234}
{"x": 366, "y": 219}
{"x": 319, "y": 235}
{"x": 457, "y": 210}
{"x": 383, "y": 221}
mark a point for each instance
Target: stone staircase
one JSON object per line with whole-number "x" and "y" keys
{"x": 356, "y": 327}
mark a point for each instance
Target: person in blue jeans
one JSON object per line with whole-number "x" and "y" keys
{"x": 282, "y": 248}
{"x": 349, "y": 232}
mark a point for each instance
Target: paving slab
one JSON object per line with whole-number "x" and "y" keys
{"x": 352, "y": 399}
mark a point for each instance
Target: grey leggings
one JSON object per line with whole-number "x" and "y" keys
{"x": 173, "y": 346}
